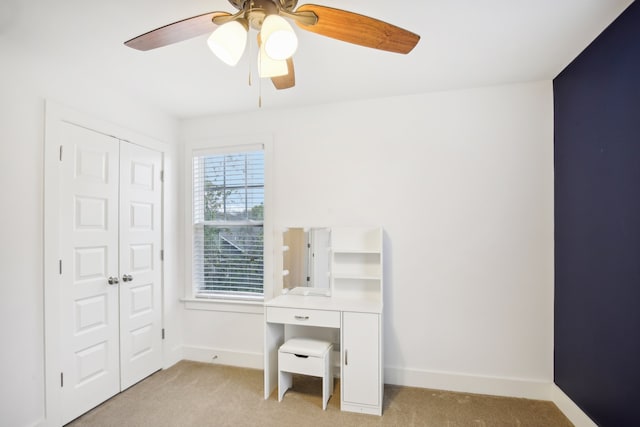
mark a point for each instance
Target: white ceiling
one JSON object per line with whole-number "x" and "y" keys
{"x": 465, "y": 43}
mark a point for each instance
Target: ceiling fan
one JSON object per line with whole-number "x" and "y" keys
{"x": 276, "y": 40}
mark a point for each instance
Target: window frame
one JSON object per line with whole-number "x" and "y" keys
{"x": 227, "y": 302}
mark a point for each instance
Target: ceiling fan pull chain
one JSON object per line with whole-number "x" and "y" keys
{"x": 259, "y": 92}
{"x": 249, "y": 61}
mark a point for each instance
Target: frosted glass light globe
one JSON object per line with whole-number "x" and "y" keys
{"x": 280, "y": 42}
{"x": 228, "y": 41}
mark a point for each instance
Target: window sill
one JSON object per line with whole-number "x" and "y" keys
{"x": 225, "y": 305}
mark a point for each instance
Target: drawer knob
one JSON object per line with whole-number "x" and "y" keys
{"x": 297, "y": 317}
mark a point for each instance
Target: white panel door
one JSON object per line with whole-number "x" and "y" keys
{"x": 361, "y": 358}
{"x": 111, "y": 273}
{"x": 140, "y": 263}
{"x": 89, "y": 256}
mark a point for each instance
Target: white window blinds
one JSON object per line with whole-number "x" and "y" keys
{"x": 228, "y": 214}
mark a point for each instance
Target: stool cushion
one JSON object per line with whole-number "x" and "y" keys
{"x": 305, "y": 347}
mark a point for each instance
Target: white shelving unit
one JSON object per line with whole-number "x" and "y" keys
{"x": 354, "y": 307}
{"x": 356, "y": 263}
{"x": 356, "y": 273}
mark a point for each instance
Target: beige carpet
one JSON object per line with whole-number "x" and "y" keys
{"x": 199, "y": 394}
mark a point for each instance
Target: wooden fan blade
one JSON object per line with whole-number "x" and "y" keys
{"x": 176, "y": 32}
{"x": 359, "y": 29}
{"x": 288, "y": 80}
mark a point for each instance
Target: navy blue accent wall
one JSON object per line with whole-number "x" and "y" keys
{"x": 597, "y": 225}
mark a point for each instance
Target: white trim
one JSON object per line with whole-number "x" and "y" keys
{"x": 232, "y": 306}
{"x": 51, "y": 277}
{"x": 570, "y": 409}
{"x": 238, "y": 143}
{"x": 508, "y": 387}
{"x": 54, "y": 115}
{"x": 496, "y": 386}
{"x": 216, "y": 151}
{"x": 87, "y": 121}
{"x": 171, "y": 356}
{"x": 243, "y": 359}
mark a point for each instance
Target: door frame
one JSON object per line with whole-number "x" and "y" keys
{"x": 55, "y": 115}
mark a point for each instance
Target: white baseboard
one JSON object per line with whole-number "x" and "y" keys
{"x": 496, "y": 386}
{"x": 570, "y": 409}
{"x": 223, "y": 357}
{"x": 172, "y": 356}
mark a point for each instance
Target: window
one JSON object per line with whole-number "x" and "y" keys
{"x": 228, "y": 232}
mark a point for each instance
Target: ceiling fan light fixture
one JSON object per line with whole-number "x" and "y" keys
{"x": 228, "y": 41}
{"x": 280, "y": 41}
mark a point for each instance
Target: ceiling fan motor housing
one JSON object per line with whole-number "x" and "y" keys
{"x": 255, "y": 11}
{"x": 245, "y": 4}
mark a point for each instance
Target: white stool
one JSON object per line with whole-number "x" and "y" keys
{"x": 308, "y": 357}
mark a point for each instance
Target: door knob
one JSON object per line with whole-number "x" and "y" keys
{"x": 127, "y": 278}
{"x": 113, "y": 280}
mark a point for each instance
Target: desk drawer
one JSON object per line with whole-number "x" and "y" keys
{"x": 299, "y": 316}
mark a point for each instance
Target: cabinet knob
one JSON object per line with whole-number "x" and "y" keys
{"x": 127, "y": 278}
{"x": 113, "y": 280}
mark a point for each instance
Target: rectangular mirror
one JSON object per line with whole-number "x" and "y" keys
{"x": 306, "y": 260}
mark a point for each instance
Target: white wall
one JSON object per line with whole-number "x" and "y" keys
{"x": 24, "y": 86}
{"x": 462, "y": 183}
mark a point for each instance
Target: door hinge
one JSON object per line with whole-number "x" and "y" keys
{"x": 162, "y": 333}
{"x": 60, "y": 266}
{"x": 161, "y": 254}
{"x": 161, "y": 176}
{"x": 60, "y": 153}
{"x": 61, "y": 379}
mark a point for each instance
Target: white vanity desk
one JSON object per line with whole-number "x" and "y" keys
{"x": 353, "y": 312}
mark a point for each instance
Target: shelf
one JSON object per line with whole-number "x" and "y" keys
{"x": 356, "y": 263}
{"x": 350, "y": 277}
{"x": 338, "y": 251}
{"x": 357, "y": 240}
{"x": 371, "y": 255}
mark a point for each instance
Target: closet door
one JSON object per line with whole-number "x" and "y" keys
{"x": 140, "y": 263}
{"x": 111, "y": 273}
{"x": 89, "y": 257}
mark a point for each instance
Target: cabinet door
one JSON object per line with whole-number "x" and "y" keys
{"x": 361, "y": 358}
